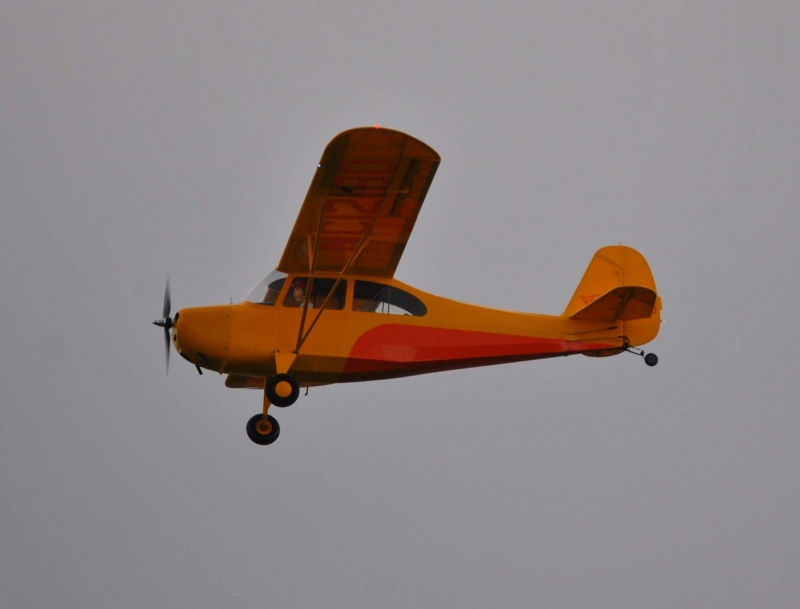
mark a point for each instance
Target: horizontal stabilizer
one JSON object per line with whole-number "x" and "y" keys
{"x": 235, "y": 381}
{"x": 625, "y": 303}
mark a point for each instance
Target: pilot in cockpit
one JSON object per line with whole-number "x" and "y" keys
{"x": 296, "y": 295}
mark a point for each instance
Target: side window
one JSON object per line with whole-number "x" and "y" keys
{"x": 319, "y": 292}
{"x": 374, "y": 297}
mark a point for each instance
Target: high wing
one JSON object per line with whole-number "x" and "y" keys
{"x": 366, "y": 195}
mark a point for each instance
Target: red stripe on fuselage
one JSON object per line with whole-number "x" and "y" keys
{"x": 400, "y": 350}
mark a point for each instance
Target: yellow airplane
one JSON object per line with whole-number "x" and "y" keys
{"x": 332, "y": 311}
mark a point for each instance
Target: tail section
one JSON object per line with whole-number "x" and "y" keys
{"x": 625, "y": 302}
{"x": 619, "y": 287}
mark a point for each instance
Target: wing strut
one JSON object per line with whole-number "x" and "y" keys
{"x": 358, "y": 249}
{"x": 312, "y": 258}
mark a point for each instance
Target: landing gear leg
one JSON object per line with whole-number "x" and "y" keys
{"x": 262, "y": 428}
{"x": 651, "y": 359}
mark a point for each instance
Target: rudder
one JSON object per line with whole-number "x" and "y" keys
{"x": 617, "y": 285}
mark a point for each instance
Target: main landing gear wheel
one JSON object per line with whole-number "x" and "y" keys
{"x": 282, "y": 390}
{"x": 263, "y": 432}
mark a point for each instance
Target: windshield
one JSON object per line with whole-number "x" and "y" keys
{"x": 267, "y": 290}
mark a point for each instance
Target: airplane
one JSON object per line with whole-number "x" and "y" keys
{"x": 332, "y": 311}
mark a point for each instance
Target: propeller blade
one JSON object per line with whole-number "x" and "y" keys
{"x": 167, "y": 302}
{"x": 166, "y": 321}
{"x": 166, "y": 344}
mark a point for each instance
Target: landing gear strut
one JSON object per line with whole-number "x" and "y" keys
{"x": 263, "y": 429}
{"x": 651, "y": 359}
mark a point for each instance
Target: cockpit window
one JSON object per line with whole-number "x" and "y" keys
{"x": 374, "y": 297}
{"x": 267, "y": 290}
{"x": 319, "y": 292}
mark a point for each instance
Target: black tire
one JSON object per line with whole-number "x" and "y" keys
{"x": 651, "y": 359}
{"x": 278, "y": 400}
{"x": 256, "y": 431}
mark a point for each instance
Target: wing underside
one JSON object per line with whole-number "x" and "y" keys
{"x": 364, "y": 199}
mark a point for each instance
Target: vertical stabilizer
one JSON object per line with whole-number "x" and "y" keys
{"x": 618, "y": 285}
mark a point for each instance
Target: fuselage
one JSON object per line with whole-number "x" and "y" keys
{"x": 347, "y": 344}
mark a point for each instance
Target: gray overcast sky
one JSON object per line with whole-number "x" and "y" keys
{"x": 140, "y": 139}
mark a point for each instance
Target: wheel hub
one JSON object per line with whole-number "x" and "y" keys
{"x": 264, "y": 427}
{"x": 283, "y": 389}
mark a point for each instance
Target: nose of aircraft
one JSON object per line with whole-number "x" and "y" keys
{"x": 202, "y": 335}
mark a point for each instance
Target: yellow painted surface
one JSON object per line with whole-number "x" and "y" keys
{"x": 247, "y": 335}
{"x": 360, "y": 209}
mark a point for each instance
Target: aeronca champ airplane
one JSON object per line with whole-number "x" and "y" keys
{"x": 332, "y": 311}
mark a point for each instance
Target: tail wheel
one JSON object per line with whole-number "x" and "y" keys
{"x": 263, "y": 431}
{"x": 651, "y": 359}
{"x": 282, "y": 390}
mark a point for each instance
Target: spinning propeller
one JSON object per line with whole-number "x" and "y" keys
{"x": 166, "y": 321}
